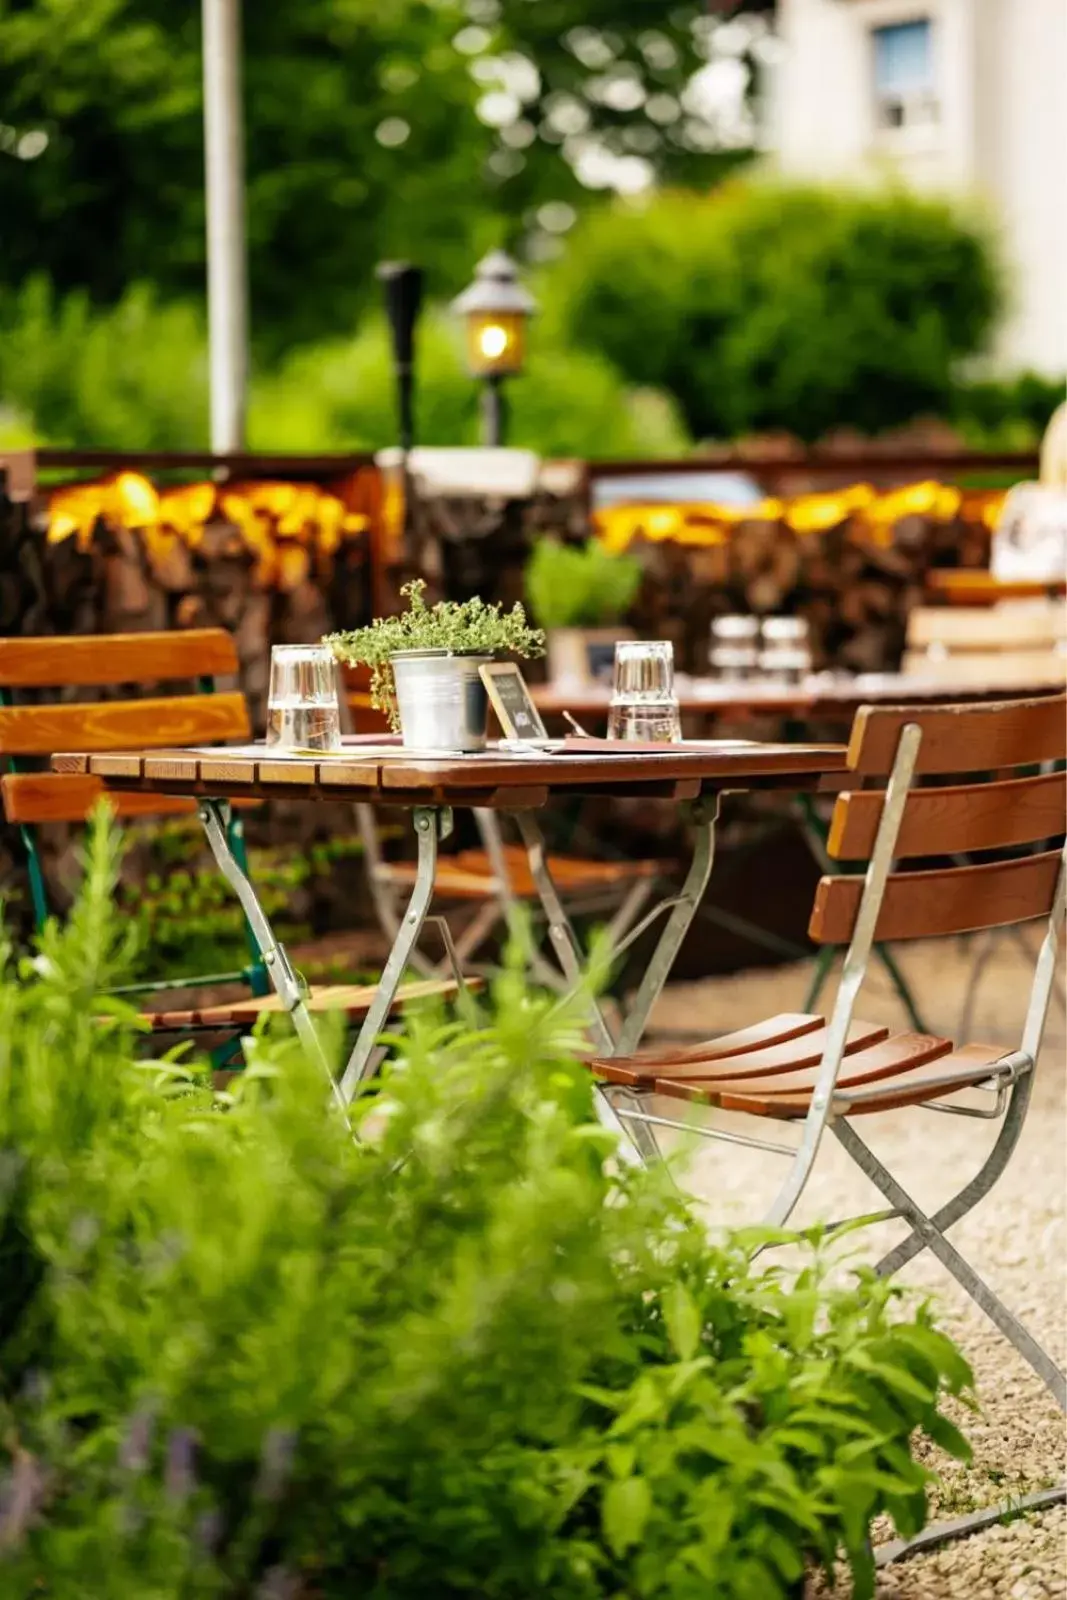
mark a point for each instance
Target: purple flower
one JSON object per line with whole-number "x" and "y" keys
{"x": 137, "y": 1440}
{"x": 179, "y": 1478}
{"x": 275, "y": 1463}
{"x": 21, "y": 1494}
{"x": 279, "y": 1584}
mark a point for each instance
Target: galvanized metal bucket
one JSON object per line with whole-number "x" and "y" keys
{"x": 442, "y": 700}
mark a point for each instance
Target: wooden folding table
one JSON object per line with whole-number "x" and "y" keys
{"x": 692, "y": 775}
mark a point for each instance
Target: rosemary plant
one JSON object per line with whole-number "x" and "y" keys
{"x": 467, "y": 627}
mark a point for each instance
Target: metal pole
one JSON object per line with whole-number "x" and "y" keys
{"x": 227, "y": 279}
{"x": 494, "y": 411}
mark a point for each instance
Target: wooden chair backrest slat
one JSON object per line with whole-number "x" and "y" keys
{"x": 84, "y": 661}
{"x": 123, "y": 724}
{"x": 970, "y": 738}
{"x": 61, "y": 797}
{"x": 1025, "y": 626}
{"x": 1019, "y": 672}
{"x": 955, "y": 900}
{"x": 64, "y": 797}
{"x": 956, "y": 820}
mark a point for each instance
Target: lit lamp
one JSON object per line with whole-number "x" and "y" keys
{"x": 495, "y": 310}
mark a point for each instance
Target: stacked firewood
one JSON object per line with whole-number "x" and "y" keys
{"x": 852, "y": 563}
{"x": 272, "y": 563}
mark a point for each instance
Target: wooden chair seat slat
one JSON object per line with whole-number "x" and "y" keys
{"x": 117, "y": 724}
{"x": 354, "y": 1000}
{"x": 908, "y": 1070}
{"x": 469, "y": 874}
{"x": 83, "y": 661}
{"x": 805, "y": 1051}
{"x": 954, "y": 820}
{"x": 776, "y": 1030}
{"x": 885, "y": 1060}
{"x": 920, "y": 905}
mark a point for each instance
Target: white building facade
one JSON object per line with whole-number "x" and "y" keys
{"x": 962, "y": 97}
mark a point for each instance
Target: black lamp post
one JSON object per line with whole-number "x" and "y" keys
{"x": 403, "y": 296}
{"x": 495, "y": 310}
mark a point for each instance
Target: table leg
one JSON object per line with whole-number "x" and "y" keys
{"x": 429, "y": 826}
{"x": 279, "y": 969}
{"x": 560, "y": 930}
{"x": 703, "y": 813}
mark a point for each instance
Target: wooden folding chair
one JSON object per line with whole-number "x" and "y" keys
{"x": 497, "y": 877}
{"x": 30, "y": 732}
{"x": 825, "y": 1074}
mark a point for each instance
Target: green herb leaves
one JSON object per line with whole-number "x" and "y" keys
{"x": 468, "y": 626}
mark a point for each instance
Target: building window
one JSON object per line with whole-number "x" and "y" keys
{"x": 905, "y": 89}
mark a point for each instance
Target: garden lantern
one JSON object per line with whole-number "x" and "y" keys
{"x": 495, "y": 309}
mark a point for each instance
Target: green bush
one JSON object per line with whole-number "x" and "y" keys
{"x": 770, "y": 307}
{"x": 567, "y": 402}
{"x": 130, "y": 378}
{"x": 135, "y": 378}
{"x": 580, "y": 586}
{"x": 462, "y": 1353}
{"x": 1007, "y": 414}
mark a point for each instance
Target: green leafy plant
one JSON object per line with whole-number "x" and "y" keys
{"x": 580, "y": 586}
{"x": 774, "y": 306}
{"x": 466, "y": 627}
{"x": 463, "y": 1352}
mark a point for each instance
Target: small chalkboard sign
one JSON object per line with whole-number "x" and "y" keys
{"x": 506, "y": 687}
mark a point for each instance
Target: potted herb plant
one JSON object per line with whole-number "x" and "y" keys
{"x": 424, "y": 665}
{"x": 580, "y": 593}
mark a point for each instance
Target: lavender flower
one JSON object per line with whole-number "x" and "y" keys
{"x": 275, "y": 1463}
{"x": 137, "y": 1441}
{"x": 179, "y": 1477}
{"x": 21, "y": 1495}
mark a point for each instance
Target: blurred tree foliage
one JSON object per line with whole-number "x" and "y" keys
{"x": 762, "y": 307}
{"x": 421, "y": 128}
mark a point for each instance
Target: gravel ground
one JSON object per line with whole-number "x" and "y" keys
{"x": 1016, "y": 1237}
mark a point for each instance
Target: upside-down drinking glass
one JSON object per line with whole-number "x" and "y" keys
{"x": 644, "y": 705}
{"x": 302, "y": 708}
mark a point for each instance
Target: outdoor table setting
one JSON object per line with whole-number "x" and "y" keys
{"x": 691, "y": 774}
{"x": 306, "y": 757}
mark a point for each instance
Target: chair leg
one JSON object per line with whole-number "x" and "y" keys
{"x": 563, "y": 938}
{"x": 981, "y": 960}
{"x": 980, "y": 1184}
{"x": 899, "y": 982}
{"x": 823, "y": 966}
{"x": 628, "y": 1149}
{"x": 934, "y": 1240}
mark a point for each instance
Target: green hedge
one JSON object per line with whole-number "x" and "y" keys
{"x": 763, "y": 307}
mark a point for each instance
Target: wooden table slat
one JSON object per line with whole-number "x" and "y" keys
{"x": 499, "y": 782}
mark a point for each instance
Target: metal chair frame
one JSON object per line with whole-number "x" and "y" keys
{"x": 501, "y": 901}
{"x": 1011, "y": 1078}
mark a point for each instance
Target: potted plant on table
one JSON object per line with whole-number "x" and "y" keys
{"x": 580, "y": 593}
{"x": 424, "y": 665}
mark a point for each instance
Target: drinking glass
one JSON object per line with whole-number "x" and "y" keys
{"x": 734, "y": 651}
{"x": 302, "y": 708}
{"x": 644, "y": 705}
{"x": 786, "y": 653}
